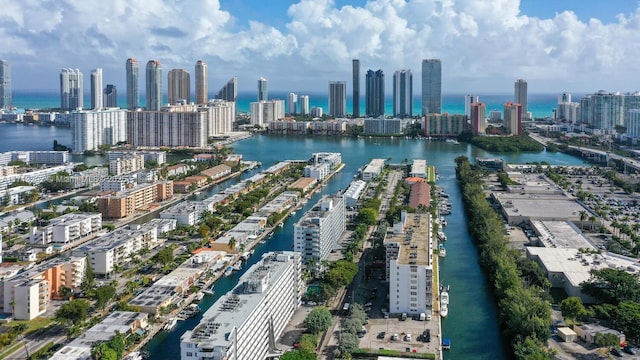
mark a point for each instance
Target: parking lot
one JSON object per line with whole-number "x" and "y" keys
{"x": 394, "y": 325}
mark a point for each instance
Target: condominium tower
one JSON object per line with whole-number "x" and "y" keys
{"x": 5, "y": 85}
{"x": 201, "y": 82}
{"x": 513, "y": 118}
{"x": 304, "y": 104}
{"x": 337, "y": 98}
{"x": 179, "y": 84}
{"x": 520, "y": 95}
{"x": 263, "y": 91}
{"x": 133, "y": 91}
{"x": 403, "y": 93}
{"x": 431, "y": 86}
{"x": 229, "y": 91}
{"x": 71, "y": 95}
{"x": 374, "y": 93}
{"x": 110, "y": 96}
{"x": 320, "y": 229}
{"x": 292, "y": 103}
{"x": 153, "y": 83}
{"x": 478, "y": 117}
{"x": 356, "y": 88}
{"x": 96, "y": 89}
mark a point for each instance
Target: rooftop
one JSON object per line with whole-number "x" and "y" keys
{"x": 561, "y": 234}
{"x": 414, "y": 241}
{"x": 537, "y": 206}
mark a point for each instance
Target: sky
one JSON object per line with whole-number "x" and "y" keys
{"x": 484, "y": 45}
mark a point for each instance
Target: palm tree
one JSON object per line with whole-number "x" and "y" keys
{"x": 242, "y": 247}
{"x": 583, "y": 217}
{"x": 232, "y": 243}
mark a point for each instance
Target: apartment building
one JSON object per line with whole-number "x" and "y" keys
{"x": 244, "y": 323}
{"x": 35, "y": 157}
{"x": 187, "y": 212}
{"x": 319, "y": 230}
{"x": 419, "y": 169}
{"x": 159, "y": 157}
{"x": 125, "y": 203}
{"x": 35, "y": 177}
{"x": 444, "y": 125}
{"x": 67, "y": 228}
{"x": 318, "y": 172}
{"x": 126, "y": 164}
{"x": 373, "y": 170}
{"x": 409, "y": 264}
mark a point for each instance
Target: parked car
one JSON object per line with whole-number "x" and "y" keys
{"x": 629, "y": 350}
{"x": 616, "y": 352}
{"x": 395, "y": 337}
{"x": 381, "y": 335}
{"x": 407, "y": 337}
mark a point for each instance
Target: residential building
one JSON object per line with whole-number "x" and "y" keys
{"x": 319, "y": 230}
{"x": 92, "y": 128}
{"x": 201, "y": 83}
{"x": 35, "y": 177}
{"x": 133, "y": 83}
{"x": 263, "y": 91}
{"x": 356, "y": 87}
{"x": 221, "y": 115}
{"x": 187, "y": 212}
{"x": 478, "y": 118}
{"x": 125, "y": 203}
{"x": 419, "y": 169}
{"x": 409, "y": 264}
{"x": 17, "y": 195}
{"x": 67, "y": 228}
{"x": 317, "y": 171}
{"x": 444, "y": 125}
{"x": 431, "y": 86}
{"x": 420, "y": 195}
{"x": 373, "y": 170}
{"x": 337, "y": 99}
{"x": 602, "y": 110}
{"x": 153, "y": 82}
{"x": 262, "y": 112}
{"x": 292, "y": 103}
{"x": 520, "y": 96}
{"x": 159, "y": 157}
{"x": 229, "y": 92}
{"x": 354, "y": 192}
{"x": 179, "y": 85}
{"x": 245, "y": 323}
{"x": 110, "y": 96}
{"x": 513, "y": 118}
{"x": 304, "y": 104}
{"x": 71, "y": 95}
{"x": 96, "y": 89}
{"x": 179, "y": 125}
{"x": 6, "y": 95}
{"x": 316, "y": 112}
{"x": 35, "y": 157}
{"x": 469, "y": 100}
{"x": 383, "y": 126}
{"x": 374, "y": 93}
{"x": 126, "y": 164}
{"x": 633, "y": 124}
{"x": 403, "y": 93}
{"x": 333, "y": 159}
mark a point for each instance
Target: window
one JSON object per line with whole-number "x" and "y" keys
{"x": 413, "y": 269}
{"x": 189, "y": 354}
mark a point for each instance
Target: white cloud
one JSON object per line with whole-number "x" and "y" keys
{"x": 484, "y": 45}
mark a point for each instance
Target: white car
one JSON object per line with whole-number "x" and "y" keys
{"x": 407, "y": 337}
{"x": 395, "y": 337}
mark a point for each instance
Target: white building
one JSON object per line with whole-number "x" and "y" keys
{"x": 67, "y": 228}
{"x": 187, "y": 212}
{"x": 319, "y": 171}
{"x": 419, "y": 169}
{"x": 319, "y": 230}
{"x": 373, "y": 169}
{"x": 304, "y": 105}
{"x": 633, "y": 123}
{"x": 409, "y": 265}
{"x": 244, "y": 323}
{"x": 116, "y": 184}
{"x": 262, "y": 112}
{"x": 221, "y": 115}
{"x": 90, "y": 129}
{"x": 160, "y": 157}
{"x": 332, "y": 159}
{"x": 35, "y": 177}
{"x": 126, "y": 164}
{"x": 35, "y": 157}
{"x": 353, "y": 193}
{"x": 383, "y": 126}
{"x": 292, "y": 103}
{"x": 17, "y": 195}
{"x": 176, "y": 125}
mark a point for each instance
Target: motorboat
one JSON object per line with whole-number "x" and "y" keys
{"x": 444, "y": 310}
{"x": 208, "y": 292}
{"x": 170, "y": 324}
{"x": 442, "y": 251}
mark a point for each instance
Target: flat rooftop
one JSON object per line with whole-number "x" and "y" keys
{"x": 414, "y": 241}
{"x": 539, "y": 206}
{"x": 560, "y": 234}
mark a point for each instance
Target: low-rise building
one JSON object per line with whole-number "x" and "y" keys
{"x": 67, "y": 228}
{"x": 217, "y": 172}
{"x": 304, "y": 184}
{"x": 125, "y": 203}
{"x": 159, "y": 157}
{"x": 373, "y": 170}
{"x": 444, "y": 125}
{"x": 354, "y": 192}
{"x": 126, "y": 164}
{"x": 178, "y": 169}
{"x": 17, "y": 195}
{"x": 419, "y": 169}
{"x": 420, "y": 195}
{"x": 318, "y": 171}
{"x": 35, "y": 177}
{"x": 383, "y": 126}
{"x": 588, "y": 332}
{"x": 333, "y": 159}
{"x": 187, "y": 212}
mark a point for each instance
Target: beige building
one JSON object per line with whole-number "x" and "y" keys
{"x": 179, "y": 85}
{"x": 127, "y": 164}
{"x": 125, "y": 203}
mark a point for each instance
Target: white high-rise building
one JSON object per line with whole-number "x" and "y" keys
{"x": 403, "y": 93}
{"x": 602, "y": 110}
{"x": 71, "y": 94}
{"x": 521, "y": 97}
{"x": 221, "y": 116}
{"x": 96, "y": 89}
{"x": 245, "y": 323}
{"x": 263, "y": 112}
{"x": 292, "y": 104}
{"x": 633, "y": 123}
{"x": 304, "y": 105}
{"x": 320, "y": 229}
{"x": 90, "y": 129}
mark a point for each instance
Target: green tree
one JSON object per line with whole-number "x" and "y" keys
{"x": 165, "y": 256}
{"x": 348, "y": 342}
{"x": 232, "y": 243}
{"x": 367, "y": 216}
{"x": 298, "y": 355}
{"x": 612, "y": 286}
{"x": 204, "y": 230}
{"x": 572, "y": 308}
{"x": 308, "y": 343}
{"x": 72, "y": 312}
{"x": 626, "y": 318}
{"x": 530, "y": 349}
{"x": 103, "y": 295}
{"x": 318, "y": 320}
{"x": 607, "y": 340}
{"x": 88, "y": 280}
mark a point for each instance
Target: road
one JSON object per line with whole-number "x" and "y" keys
{"x": 36, "y": 341}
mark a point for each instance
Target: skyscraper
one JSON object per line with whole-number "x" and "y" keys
{"x": 263, "y": 92}
{"x": 513, "y": 118}
{"x": 431, "y": 86}
{"x": 110, "y": 96}
{"x": 71, "y": 95}
{"x": 520, "y": 96}
{"x": 179, "y": 84}
{"x": 304, "y": 105}
{"x": 374, "y": 93}
{"x": 133, "y": 91}
{"x": 292, "y": 103}
{"x": 337, "y": 98}
{"x": 356, "y": 88}
{"x": 468, "y": 101}
{"x": 201, "y": 82}
{"x": 5, "y": 85}
{"x": 403, "y": 93}
{"x": 153, "y": 83}
{"x": 96, "y": 89}
{"x": 229, "y": 91}
{"x": 478, "y": 116}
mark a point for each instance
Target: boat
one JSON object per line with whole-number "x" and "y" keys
{"x": 444, "y": 302}
{"x": 199, "y": 296}
{"x": 444, "y": 310}
{"x": 208, "y": 292}
{"x": 136, "y": 355}
{"x": 452, "y": 141}
{"x": 443, "y": 221}
{"x": 442, "y": 236}
{"x": 446, "y": 344}
{"x": 237, "y": 266}
{"x": 170, "y": 324}
{"x": 442, "y": 251}
{"x": 281, "y": 224}
{"x": 228, "y": 271}
{"x": 293, "y": 213}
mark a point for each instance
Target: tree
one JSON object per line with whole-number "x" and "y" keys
{"x": 367, "y": 216}
{"x": 572, "y": 308}
{"x": 298, "y": 355}
{"x": 607, "y": 340}
{"x": 583, "y": 217}
{"x": 165, "y": 256}
{"x": 72, "y": 312}
{"x": 308, "y": 343}
{"x": 89, "y": 278}
{"x": 204, "y": 230}
{"x": 626, "y": 318}
{"x": 318, "y": 320}
{"x": 103, "y": 295}
{"x": 348, "y": 342}
{"x": 612, "y": 286}
{"x": 232, "y": 243}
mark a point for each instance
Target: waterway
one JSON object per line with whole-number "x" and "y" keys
{"x": 472, "y": 309}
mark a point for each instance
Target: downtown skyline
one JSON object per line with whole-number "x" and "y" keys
{"x": 292, "y": 43}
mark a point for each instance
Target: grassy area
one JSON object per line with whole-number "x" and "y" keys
{"x": 431, "y": 173}
{"x": 34, "y": 325}
{"x": 10, "y": 350}
{"x": 369, "y": 353}
{"x": 436, "y": 283}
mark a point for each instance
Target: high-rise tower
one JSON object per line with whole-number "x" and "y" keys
{"x": 110, "y": 96}
{"x": 133, "y": 91}
{"x": 71, "y": 95}
{"x": 374, "y": 93}
{"x": 153, "y": 83}
{"x": 292, "y": 103}
{"x": 403, "y": 93}
{"x": 179, "y": 84}
{"x": 304, "y": 104}
{"x": 520, "y": 96}
{"x": 201, "y": 82}
{"x": 6, "y": 99}
{"x": 96, "y": 89}
{"x": 337, "y": 98}
{"x": 263, "y": 92}
{"x": 229, "y": 91}
{"x": 478, "y": 117}
{"x": 356, "y": 88}
{"x": 513, "y": 118}
{"x": 431, "y": 86}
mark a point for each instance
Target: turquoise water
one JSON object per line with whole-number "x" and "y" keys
{"x": 541, "y": 105}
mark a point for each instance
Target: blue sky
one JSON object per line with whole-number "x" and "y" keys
{"x": 300, "y": 45}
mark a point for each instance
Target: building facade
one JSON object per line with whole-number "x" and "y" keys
{"x": 319, "y": 230}
{"x": 520, "y": 96}
{"x": 201, "y": 82}
{"x": 263, "y": 112}
{"x": 292, "y": 103}
{"x": 125, "y": 203}
{"x": 229, "y": 91}
{"x": 374, "y": 93}
{"x": 179, "y": 85}
{"x": 153, "y": 84}
{"x": 444, "y": 125}
{"x": 71, "y": 93}
{"x": 171, "y": 126}
{"x": 90, "y": 129}
{"x": 382, "y": 126}
{"x": 431, "y": 86}
{"x": 478, "y": 118}
{"x": 67, "y": 228}
{"x": 356, "y": 87}
{"x": 263, "y": 90}
{"x": 133, "y": 84}
{"x": 337, "y": 98}
{"x": 304, "y": 105}
{"x": 96, "y": 89}
{"x": 513, "y": 118}
{"x": 6, "y": 95}
{"x": 403, "y": 93}
{"x": 110, "y": 96}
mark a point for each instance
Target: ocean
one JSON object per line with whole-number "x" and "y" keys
{"x": 540, "y": 105}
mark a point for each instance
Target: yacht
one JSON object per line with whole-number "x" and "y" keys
{"x": 442, "y": 236}
{"x": 452, "y": 141}
{"x": 442, "y": 251}
{"x": 444, "y": 302}
{"x": 443, "y": 221}
{"x": 199, "y": 296}
{"x": 228, "y": 271}
{"x": 170, "y": 324}
{"x": 444, "y": 310}
{"x": 208, "y": 292}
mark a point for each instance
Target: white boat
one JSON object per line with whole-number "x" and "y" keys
{"x": 444, "y": 310}
{"x": 443, "y": 221}
{"x": 136, "y": 355}
{"x": 442, "y": 236}
{"x": 170, "y": 324}
{"x": 228, "y": 271}
{"x": 200, "y": 296}
{"x": 237, "y": 266}
{"x": 444, "y": 303}
{"x": 281, "y": 224}
{"x": 442, "y": 251}
{"x": 453, "y": 141}
{"x": 208, "y": 292}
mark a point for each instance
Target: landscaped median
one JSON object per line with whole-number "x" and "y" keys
{"x": 373, "y": 354}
